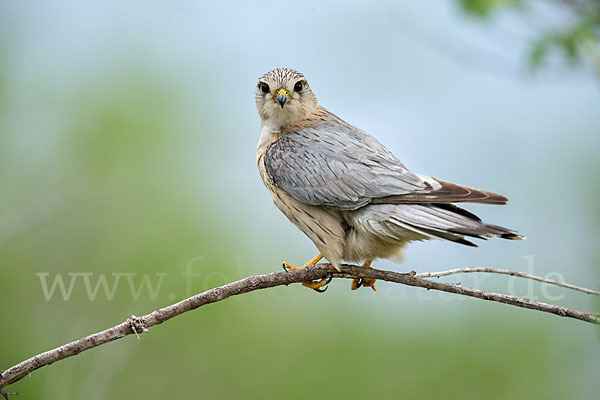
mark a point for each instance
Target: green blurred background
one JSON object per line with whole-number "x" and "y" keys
{"x": 127, "y": 146}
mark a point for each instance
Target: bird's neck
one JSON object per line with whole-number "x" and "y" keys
{"x": 316, "y": 117}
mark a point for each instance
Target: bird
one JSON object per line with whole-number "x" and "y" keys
{"x": 347, "y": 192}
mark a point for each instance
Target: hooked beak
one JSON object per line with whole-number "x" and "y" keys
{"x": 282, "y": 96}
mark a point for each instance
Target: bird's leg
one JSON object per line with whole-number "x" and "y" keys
{"x": 367, "y": 282}
{"x": 315, "y": 285}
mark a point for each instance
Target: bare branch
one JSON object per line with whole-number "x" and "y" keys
{"x": 505, "y": 272}
{"x": 139, "y": 325}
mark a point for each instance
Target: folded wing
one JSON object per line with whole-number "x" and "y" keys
{"x": 336, "y": 165}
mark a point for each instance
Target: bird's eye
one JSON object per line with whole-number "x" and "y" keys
{"x": 264, "y": 87}
{"x": 298, "y": 86}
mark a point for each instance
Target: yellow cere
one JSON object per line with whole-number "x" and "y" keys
{"x": 282, "y": 90}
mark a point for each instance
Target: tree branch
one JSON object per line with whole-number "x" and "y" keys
{"x": 138, "y": 325}
{"x": 505, "y": 272}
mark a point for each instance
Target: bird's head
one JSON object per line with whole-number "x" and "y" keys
{"x": 283, "y": 97}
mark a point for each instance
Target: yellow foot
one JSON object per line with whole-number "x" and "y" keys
{"x": 366, "y": 282}
{"x": 315, "y": 285}
{"x": 289, "y": 267}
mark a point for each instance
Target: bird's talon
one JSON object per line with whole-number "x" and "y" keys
{"x": 329, "y": 279}
{"x": 315, "y": 285}
{"x": 356, "y": 283}
{"x": 289, "y": 267}
{"x": 321, "y": 290}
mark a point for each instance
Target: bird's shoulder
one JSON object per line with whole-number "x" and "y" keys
{"x": 326, "y": 161}
{"x": 324, "y": 134}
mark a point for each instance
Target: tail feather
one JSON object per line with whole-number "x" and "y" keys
{"x": 448, "y": 222}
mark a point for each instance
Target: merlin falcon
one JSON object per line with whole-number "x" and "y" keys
{"x": 349, "y": 194}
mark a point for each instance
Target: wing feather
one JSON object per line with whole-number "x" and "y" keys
{"x": 328, "y": 162}
{"x": 449, "y": 193}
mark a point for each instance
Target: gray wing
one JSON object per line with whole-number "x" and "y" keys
{"x": 337, "y": 165}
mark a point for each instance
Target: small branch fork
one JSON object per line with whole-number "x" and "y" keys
{"x": 139, "y": 325}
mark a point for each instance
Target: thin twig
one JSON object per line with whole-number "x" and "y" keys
{"x": 6, "y": 394}
{"x": 505, "y": 272}
{"x": 140, "y": 325}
